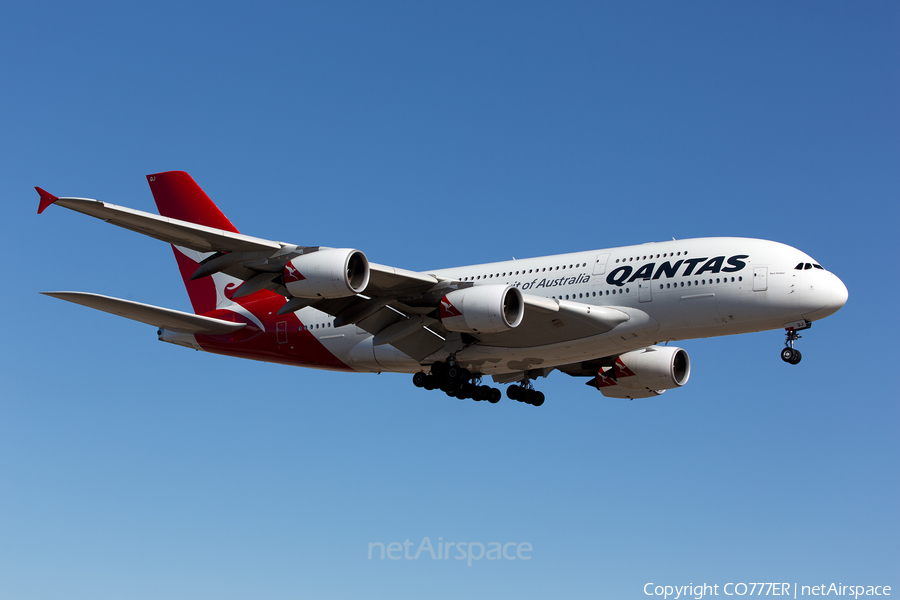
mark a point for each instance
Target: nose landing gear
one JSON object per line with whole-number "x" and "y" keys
{"x": 789, "y": 354}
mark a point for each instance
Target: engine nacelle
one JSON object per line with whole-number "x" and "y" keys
{"x": 645, "y": 373}
{"x": 483, "y": 309}
{"x": 332, "y": 273}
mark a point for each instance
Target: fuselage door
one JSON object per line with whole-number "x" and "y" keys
{"x": 281, "y": 332}
{"x": 760, "y": 279}
{"x": 644, "y": 294}
{"x": 600, "y": 264}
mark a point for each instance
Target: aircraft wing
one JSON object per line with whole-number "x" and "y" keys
{"x": 164, "y": 318}
{"x": 416, "y": 332}
{"x": 238, "y": 255}
{"x": 180, "y": 233}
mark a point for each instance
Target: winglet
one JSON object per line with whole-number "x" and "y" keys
{"x": 46, "y": 199}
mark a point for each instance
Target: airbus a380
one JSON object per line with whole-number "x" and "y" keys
{"x": 604, "y": 315}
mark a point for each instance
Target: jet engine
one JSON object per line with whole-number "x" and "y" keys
{"x": 644, "y": 373}
{"x": 331, "y": 273}
{"x": 483, "y": 309}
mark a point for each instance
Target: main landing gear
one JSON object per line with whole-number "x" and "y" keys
{"x": 456, "y": 382}
{"x": 789, "y": 354}
{"x": 525, "y": 393}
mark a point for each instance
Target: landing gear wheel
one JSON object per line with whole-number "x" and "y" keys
{"x": 538, "y": 399}
{"x": 439, "y": 368}
{"x": 791, "y": 356}
{"x": 495, "y": 396}
{"x": 512, "y": 392}
{"x": 527, "y": 396}
{"x": 429, "y": 382}
{"x": 484, "y": 392}
{"x": 419, "y": 379}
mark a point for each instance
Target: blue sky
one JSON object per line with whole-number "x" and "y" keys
{"x": 430, "y": 135}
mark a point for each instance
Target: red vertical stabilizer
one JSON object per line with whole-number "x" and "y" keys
{"x": 178, "y": 196}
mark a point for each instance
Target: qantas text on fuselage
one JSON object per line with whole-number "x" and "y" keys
{"x": 603, "y": 315}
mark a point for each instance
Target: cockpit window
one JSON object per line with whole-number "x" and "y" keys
{"x": 808, "y": 266}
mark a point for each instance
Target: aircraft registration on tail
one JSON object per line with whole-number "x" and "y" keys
{"x": 604, "y": 315}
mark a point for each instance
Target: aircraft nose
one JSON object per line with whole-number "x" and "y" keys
{"x": 826, "y": 298}
{"x": 839, "y": 294}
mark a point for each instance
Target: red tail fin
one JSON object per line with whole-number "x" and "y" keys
{"x": 178, "y": 196}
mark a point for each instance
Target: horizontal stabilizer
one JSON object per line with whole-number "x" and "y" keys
{"x": 164, "y": 318}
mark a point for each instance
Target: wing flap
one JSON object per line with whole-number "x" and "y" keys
{"x": 164, "y": 318}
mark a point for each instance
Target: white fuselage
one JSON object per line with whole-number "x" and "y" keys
{"x": 672, "y": 290}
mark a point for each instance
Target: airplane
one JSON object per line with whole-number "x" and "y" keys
{"x": 603, "y": 315}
